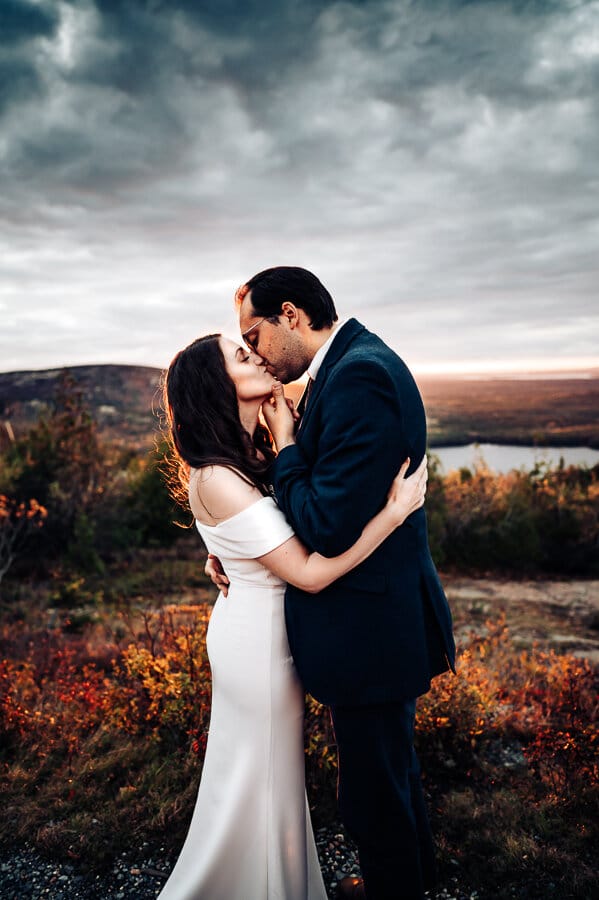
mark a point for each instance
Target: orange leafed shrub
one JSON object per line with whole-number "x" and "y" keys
{"x": 546, "y": 702}
{"x": 17, "y": 521}
{"x": 461, "y": 712}
{"x": 50, "y": 708}
{"x": 555, "y": 710}
{"x": 161, "y": 685}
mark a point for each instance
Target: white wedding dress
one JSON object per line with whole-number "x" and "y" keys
{"x": 250, "y": 837}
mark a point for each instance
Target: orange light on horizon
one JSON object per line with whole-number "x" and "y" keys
{"x": 534, "y": 366}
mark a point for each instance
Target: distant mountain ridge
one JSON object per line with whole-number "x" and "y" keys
{"x": 125, "y": 401}
{"x": 121, "y": 398}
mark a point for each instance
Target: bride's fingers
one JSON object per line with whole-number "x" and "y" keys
{"x": 277, "y": 393}
{"x": 292, "y": 408}
{"x": 403, "y": 469}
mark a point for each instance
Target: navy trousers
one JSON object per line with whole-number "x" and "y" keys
{"x": 381, "y": 801}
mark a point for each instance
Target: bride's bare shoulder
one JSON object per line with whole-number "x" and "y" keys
{"x": 216, "y": 493}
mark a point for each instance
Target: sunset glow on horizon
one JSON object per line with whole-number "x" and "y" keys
{"x": 535, "y": 368}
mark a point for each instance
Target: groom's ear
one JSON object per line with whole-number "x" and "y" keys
{"x": 290, "y": 312}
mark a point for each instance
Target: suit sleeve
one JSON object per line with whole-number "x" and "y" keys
{"x": 360, "y": 449}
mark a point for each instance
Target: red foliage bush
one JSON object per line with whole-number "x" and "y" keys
{"x": 52, "y": 698}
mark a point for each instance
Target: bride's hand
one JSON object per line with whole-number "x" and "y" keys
{"x": 407, "y": 494}
{"x": 280, "y": 416}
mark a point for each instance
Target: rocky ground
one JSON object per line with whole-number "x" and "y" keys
{"x": 25, "y": 875}
{"x": 561, "y": 614}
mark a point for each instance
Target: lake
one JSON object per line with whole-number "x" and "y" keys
{"x": 504, "y": 458}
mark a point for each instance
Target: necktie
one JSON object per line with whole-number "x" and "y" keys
{"x": 301, "y": 406}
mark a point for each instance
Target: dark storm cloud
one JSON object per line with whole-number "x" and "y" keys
{"x": 22, "y": 21}
{"x": 436, "y": 157}
{"x": 18, "y": 81}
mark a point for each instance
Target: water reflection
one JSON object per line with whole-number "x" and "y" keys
{"x": 502, "y": 458}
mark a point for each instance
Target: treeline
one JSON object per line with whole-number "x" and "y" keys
{"x": 542, "y": 520}
{"x": 69, "y": 504}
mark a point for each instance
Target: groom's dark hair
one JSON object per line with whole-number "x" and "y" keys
{"x": 272, "y": 287}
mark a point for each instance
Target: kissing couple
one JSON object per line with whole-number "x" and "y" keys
{"x": 317, "y": 537}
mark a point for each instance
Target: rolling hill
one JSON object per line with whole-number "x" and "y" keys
{"x": 125, "y": 401}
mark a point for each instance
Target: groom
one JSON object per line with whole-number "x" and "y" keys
{"x": 369, "y": 644}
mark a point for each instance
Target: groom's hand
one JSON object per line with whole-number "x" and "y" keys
{"x": 216, "y": 574}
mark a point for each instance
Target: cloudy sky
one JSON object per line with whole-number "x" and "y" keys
{"x": 435, "y": 163}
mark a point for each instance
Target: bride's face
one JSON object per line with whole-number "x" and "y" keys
{"x": 246, "y": 370}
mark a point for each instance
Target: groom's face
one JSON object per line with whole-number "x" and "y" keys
{"x": 279, "y": 342}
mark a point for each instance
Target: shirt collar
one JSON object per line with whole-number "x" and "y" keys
{"x": 314, "y": 367}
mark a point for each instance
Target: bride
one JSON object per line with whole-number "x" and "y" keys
{"x": 250, "y": 836}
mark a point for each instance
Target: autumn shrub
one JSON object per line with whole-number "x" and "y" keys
{"x": 18, "y": 521}
{"x": 47, "y": 712}
{"x": 489, "y": 520}
{"x": 566, "y": 503}
{"x": 541, "y": 520}
{"x": 554, "y": 710}
{"x": 99, "y": 501}
{"x": 136, "y": 509}
{"x": 436, "y": 510}
{"x": 463, "y": 713}
{"x": 60, "y": 463}
{"x": 160, "y": 683}
{"x": 547, "y": 703}
{"x": 321, "y": 760}
{"x": 515, "y": 795}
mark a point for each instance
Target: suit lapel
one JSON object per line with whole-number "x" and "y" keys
{"x": 344, "y": 337}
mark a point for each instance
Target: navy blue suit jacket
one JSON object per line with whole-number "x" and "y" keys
{"x": 384, "y": 630}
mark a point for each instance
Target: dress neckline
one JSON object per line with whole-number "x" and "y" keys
{"x": 200, "y": 525}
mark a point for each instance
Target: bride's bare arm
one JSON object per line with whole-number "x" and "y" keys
{"x": 217, "y": 493}
{"x": 312, "y": 572}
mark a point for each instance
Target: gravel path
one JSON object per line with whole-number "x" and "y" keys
{"x": 25, "y": 875}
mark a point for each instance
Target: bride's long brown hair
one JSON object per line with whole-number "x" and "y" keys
{"x": 202, "y": 416}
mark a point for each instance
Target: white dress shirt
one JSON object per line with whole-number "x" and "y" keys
{"x": 320, "y": 354}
